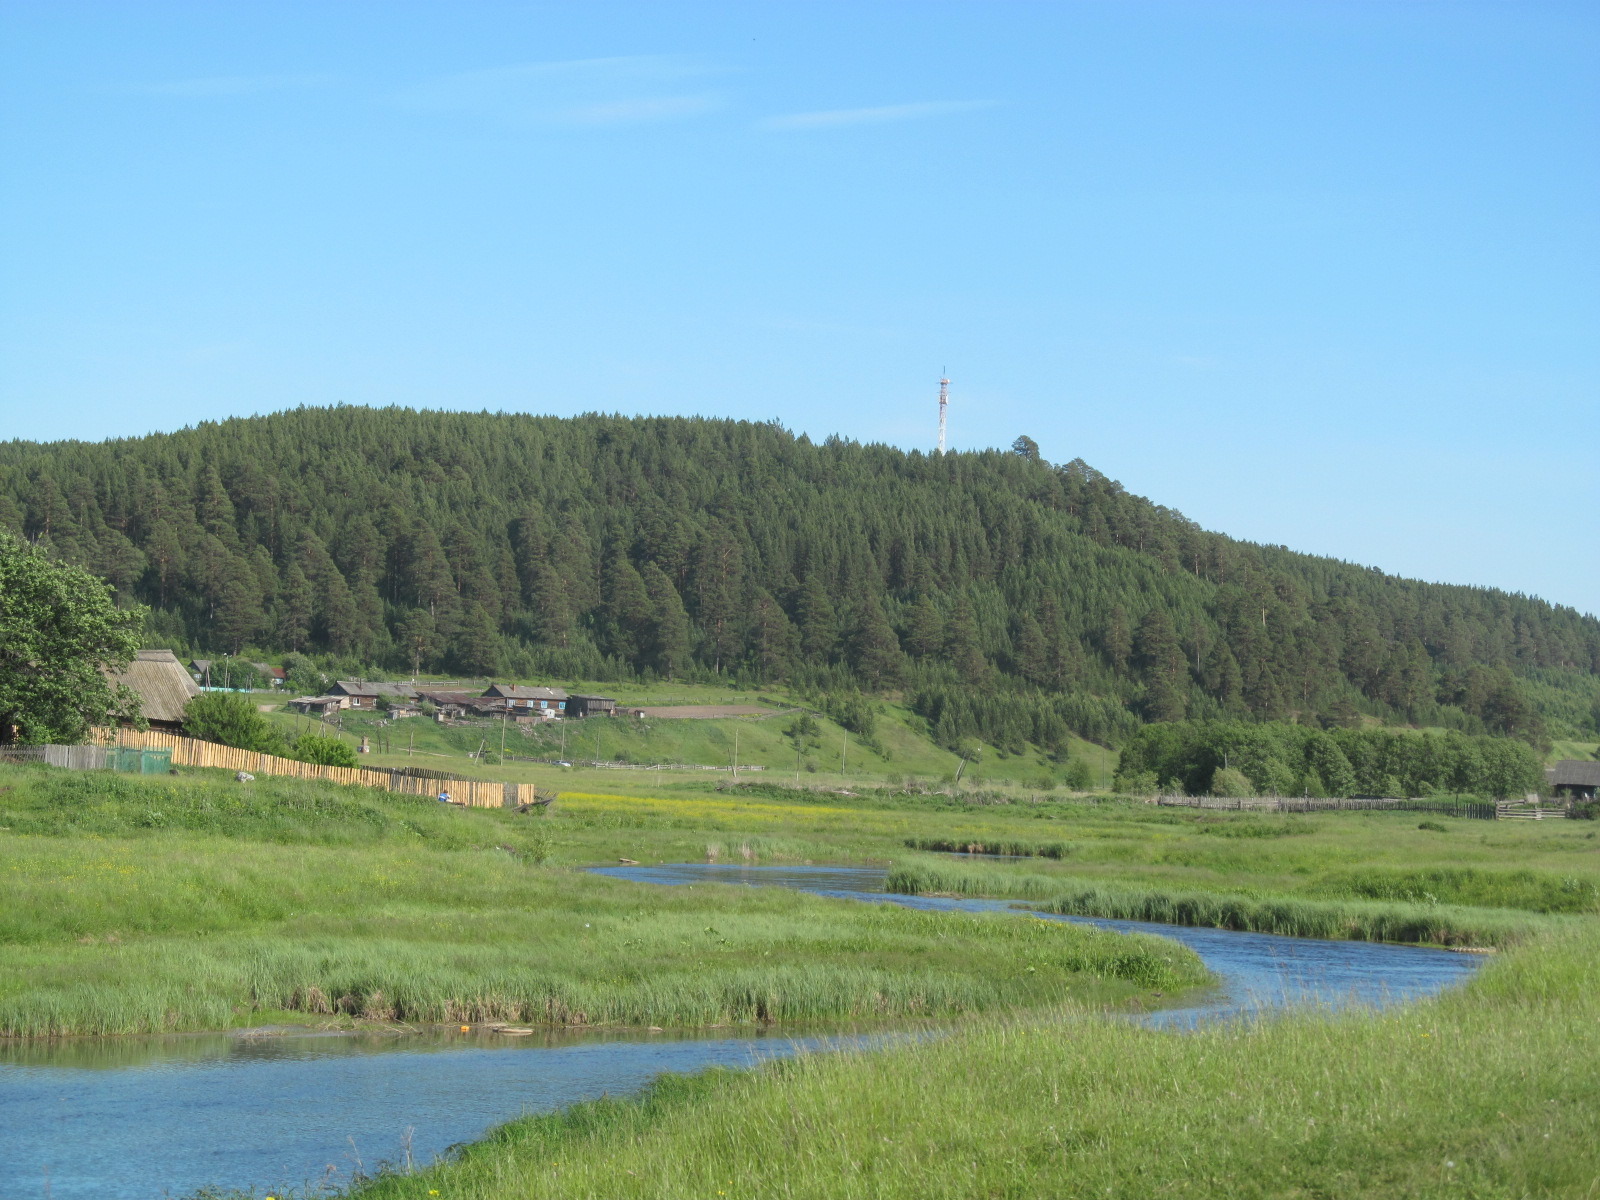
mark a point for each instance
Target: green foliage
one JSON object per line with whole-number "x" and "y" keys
{"x": 231, "y": 719}
{"x": 60, "y": 630}
{"x": 1232, "y": 783}
{"x": 327, "y": 751}
{"x": 1276, "y": 758}
{"x": 1077, "y": 775}
{"x": 698, "y": 548}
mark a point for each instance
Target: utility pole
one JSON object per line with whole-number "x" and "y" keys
{"x": 844, "y": 750}
{"x": 736, "y": 753}
{"x": 502, "y": 737}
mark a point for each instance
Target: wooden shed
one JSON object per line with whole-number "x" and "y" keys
{"x": 591, "y": 706}
{"x": 1574, "y": 779}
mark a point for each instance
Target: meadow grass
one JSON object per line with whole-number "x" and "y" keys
{"x": 1489, "y": 1091}
{"x": 353, "y": 905}
{"x": 1292, "y": 916}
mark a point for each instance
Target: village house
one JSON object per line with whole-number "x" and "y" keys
{"x": 449, "y": 704}
{"x": 1573, "y": 779}
{"x": 319, "y": 706}
{"x": 275, "y": 676}
{"x": 365, "y": 696}
{"x": 591, "y": 706}
{"x": 531, "y": 701}
{"x": 163, "y": 686}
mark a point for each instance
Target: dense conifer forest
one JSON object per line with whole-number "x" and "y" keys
{"x": 1007, "y": 597}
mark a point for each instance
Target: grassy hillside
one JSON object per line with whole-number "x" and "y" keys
{"x": 903, "y": 746}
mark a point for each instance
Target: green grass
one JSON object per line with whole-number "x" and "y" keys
{"x": 246, "y": 903}
{"x": 1356, "y": 920}
{"x": 1490, "y": 1091}
{"x": 197, "y": 902}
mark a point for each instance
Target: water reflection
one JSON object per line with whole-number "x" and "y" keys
{"x": 138, "y": 1118}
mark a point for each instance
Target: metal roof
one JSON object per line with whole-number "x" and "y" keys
{"x": 513, "y": 691}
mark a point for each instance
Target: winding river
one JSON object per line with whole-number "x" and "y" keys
{"x": 139, "y": 1118}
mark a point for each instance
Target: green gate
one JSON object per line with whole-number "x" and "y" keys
{"x": 136, "y": 761}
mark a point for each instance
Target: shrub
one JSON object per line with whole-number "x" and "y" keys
{"x": 325, "y": 751}
{"x": 231, "y": 720}
{"x": 1232, "y": 783}
{"x": 1077, "y": 775}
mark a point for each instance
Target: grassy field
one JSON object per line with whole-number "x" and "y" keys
{"x": 140, "y": 905}
{"x": 1490, "y": 1091}
{"x": 193, "y": 901}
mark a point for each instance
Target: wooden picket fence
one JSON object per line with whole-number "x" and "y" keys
{"x": 191, "y": 752}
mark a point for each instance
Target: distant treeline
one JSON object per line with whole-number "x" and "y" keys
{"x": 1277, "y": 759}
{"x": 1011, "y": 595}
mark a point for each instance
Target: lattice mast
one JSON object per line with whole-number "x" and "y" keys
{"x": 944, "y": 404}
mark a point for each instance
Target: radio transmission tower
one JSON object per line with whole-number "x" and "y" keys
{"x": 944, "y": 404}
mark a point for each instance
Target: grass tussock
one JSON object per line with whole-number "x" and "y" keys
{"x": 1489, "y": 1091}
{"x": 1001, "y": 846}
{"x": 1356, "y": 920}
{"x": 1534, "y": 891}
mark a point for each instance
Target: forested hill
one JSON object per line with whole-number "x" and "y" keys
{"x": 1007, "y": 596}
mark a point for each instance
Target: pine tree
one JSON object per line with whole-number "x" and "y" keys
{"x": 961, "y": 644}
{"x": 551, "y": 616}
{"x": 239, "y": 613}
{"x": 476, "y": 646}
{"x": 626, "y": 617}
{"x": 819, "y": 630}
{"x": 1117, "y": 639}
{"x": 874, "y": 649}
{"x": 924, "y": 627}
{"x": 669, "y": 634}
{"x": 773, "y": 638}
{"x": 419, "y": 637}
{"x": 295, "y": 602}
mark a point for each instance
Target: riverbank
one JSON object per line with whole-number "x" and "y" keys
{"x": 1491, "y": 1090}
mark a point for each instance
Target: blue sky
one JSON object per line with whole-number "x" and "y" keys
{"x": 1319, "y": 274}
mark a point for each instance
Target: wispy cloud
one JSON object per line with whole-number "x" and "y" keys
{"x": 837, "y": 117}
{"x": 233, "y": 85}
{"x": 590, "y": 91}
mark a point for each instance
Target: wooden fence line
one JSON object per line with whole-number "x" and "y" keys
{"x": 1308, "y": 804}
{"x": 191, "y": 752}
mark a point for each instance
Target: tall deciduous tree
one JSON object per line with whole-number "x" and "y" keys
{"x": 60, "y": 632}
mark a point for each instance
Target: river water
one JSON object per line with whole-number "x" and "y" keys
{"x": 140, "y": 1118}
